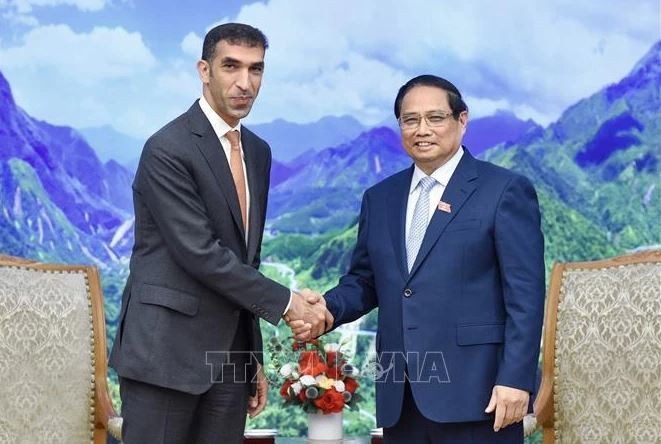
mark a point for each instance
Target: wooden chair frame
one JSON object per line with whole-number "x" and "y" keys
{"x": 544, "y": 404}
{"x": 103, "y": 409}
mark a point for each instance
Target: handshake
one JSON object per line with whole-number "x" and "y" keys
{"x": 307, "y": 316}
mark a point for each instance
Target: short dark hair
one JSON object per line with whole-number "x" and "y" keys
{"x": 457, "y": 104}
{"x": 235, "y": 34}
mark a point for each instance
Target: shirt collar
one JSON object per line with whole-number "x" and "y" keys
{"x": 219, "y": 126}
{"x": 442, "y": 174}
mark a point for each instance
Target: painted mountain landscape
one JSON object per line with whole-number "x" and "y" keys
{"x": 597, "y": 170}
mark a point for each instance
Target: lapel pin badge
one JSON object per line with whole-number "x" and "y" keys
{"x": 444, "y": 206}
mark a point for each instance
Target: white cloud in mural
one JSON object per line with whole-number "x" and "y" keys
{"x": 192, "y": 45}
{"x": 15, "y": 18}
{"x": 85, "y": 58}
{"x": 21, "y": 12}
{"x": 23, "y": 6}
{"x": 533, "y": 59}
{"x": 79, "y": 79}
{"x": 536, "y": 57}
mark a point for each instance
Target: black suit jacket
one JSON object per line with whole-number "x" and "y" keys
{"x": 192, "y": 277}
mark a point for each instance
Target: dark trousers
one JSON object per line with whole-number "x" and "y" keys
{"x": 414, "y": 428}
{"x": 157, "y": 415}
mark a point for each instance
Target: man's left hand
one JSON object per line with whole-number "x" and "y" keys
{"x": 257, "y": 403}
{"x": 510, "y": 404}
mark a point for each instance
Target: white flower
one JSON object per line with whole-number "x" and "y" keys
{"x": 324, "y": 382}
{"x": 286, "y": 370}
{"x": 308, "y": 380}
{"x": 332, "y": 347}
{"x": 296, "y": 387}
{"x": 295, "y": 374}
{"x": 339, "y": 385}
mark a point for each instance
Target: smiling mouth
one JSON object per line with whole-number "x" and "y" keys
{"x": 242, "y": 100}
{"x": 423, "y": 144}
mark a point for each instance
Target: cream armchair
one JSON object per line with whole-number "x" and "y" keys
{"x": 52, "y": 355}
{"x": 602, "y": 352}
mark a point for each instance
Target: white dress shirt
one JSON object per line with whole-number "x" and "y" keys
{"x": 221, "y": 128}
{"x": 442, "y": 176}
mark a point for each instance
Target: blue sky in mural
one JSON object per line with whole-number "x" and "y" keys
{"x": 130, "y": 64}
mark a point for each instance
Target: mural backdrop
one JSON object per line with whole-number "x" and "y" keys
{"x": 568, "y": 94}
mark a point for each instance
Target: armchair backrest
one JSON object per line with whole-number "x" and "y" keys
{"x": 602, "y": 352}
{"x": 52, "y": 335}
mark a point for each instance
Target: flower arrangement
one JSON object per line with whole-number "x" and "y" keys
{"x": 321, "y": 380}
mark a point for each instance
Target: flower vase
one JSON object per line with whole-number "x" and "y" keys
{"x": 325, "y": 427}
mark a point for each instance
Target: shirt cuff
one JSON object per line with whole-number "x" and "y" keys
{"x": 291, "y": 295}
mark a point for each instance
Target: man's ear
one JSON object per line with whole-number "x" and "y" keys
{"x": 203, "y": 70}
{"x": 463, "y": 120}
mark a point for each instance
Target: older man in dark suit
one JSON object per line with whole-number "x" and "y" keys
{"x": 188, "y": 343}
{"x": 452, "y": 253}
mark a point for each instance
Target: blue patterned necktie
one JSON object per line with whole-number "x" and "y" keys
{"x": 420, "y": 220}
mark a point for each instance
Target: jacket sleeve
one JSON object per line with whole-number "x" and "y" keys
{"x": 355, "y": 294}
{"x": 520, "y": 251}
{"x": 257, "y": 260}
{"x": 170, "y": 193}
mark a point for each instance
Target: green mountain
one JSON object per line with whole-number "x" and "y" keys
{"x": 59, "y": 203}
{"x": 324, "y": 194}
{"x": 35, "y": 226}
{"x": 319, "y": 260}
{"x": 596, "y": 171}
{"x": 599, "y": 163}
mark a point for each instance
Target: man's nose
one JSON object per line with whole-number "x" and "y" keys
{"x": 423, "y": 127}
{"x": 243, "y": 80}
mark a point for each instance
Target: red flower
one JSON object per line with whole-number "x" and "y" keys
{"x": 350, "y": 385}
{"x": 301, "y": 395}
{"x": 310, "y": 363}
{"x": 334, "y": 372}
{"x": 334, "y": 359}
{"x": 330, "y": 402}
{"x": 284, "y": 390}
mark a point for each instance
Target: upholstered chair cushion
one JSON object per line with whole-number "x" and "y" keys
{"x": 607, "y": 384}
{"x": 46, "y": 356}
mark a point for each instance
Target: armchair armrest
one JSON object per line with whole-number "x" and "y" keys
{"x": 106, "y": 419}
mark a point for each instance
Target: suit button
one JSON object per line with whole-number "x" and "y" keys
{"x": 408, "y": 292}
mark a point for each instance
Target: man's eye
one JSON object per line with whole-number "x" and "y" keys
{"x": 229, "y": 65}
{"x": 436, "y": 118}
{"x": 257, "y": 69}
{"x": 410, "y": 121}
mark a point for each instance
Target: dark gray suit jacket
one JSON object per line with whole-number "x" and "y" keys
{"x": 192, "y": 277}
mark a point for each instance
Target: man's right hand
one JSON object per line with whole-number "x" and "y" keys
{"x": 307, "y": 315}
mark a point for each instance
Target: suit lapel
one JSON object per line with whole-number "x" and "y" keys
{"x": 255, "y": 210}
{"x": 459, "y": 189}
{"x": 212, "y": 150}
{"x": 397, "y": 201}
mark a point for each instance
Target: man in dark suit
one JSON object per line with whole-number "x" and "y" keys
{"x": 451, "y": 251}
{"x": 188, "y": 343}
